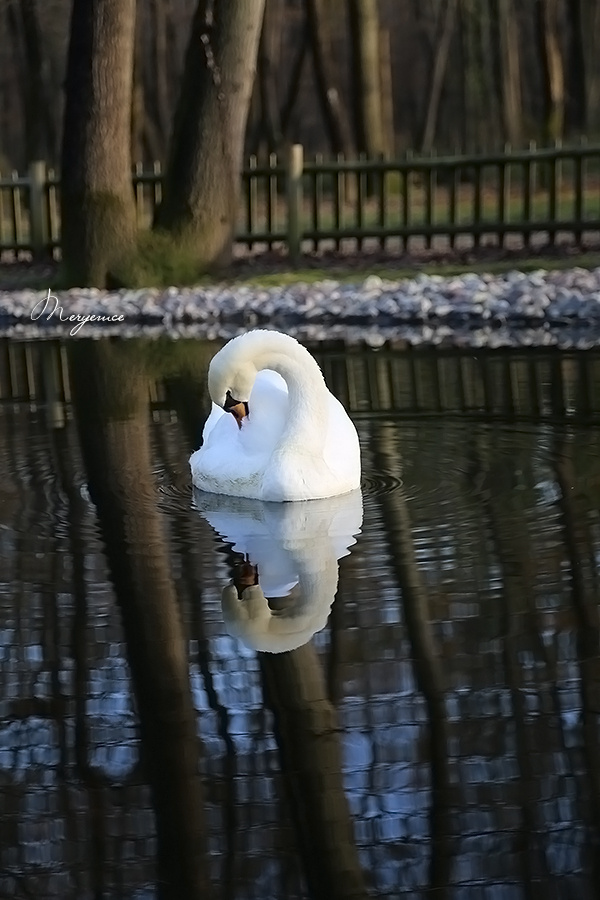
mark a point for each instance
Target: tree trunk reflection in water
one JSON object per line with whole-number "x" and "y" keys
{"x": 188, "y": 396}
{"x": 111, "y": 399}
{"x": 94, "y": 780}
{"x": 428, "y": 670}
{"x": 576, "y": 537}
{"x": 307, "y": 733}
{"x": 513, "y": 549}
{"x": 193, "y": 579}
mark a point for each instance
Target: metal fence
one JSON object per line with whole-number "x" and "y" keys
{"x": 525, "y": 197}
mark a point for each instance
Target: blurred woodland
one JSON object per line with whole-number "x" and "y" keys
{"x": 339, "y": 76}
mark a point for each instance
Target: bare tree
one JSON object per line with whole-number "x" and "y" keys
{"x": 552, "y": 67}
{"x": 268, "y": 67}
{"x": 329, "y": 91}
{"x": 161, "y": 82}
{"x": 442, "y": 52}
{"x": 40, "y": 129}
{"x": 203, "y": 173}
{"x": 443, "y": 73}
{"x": 366, "y": 65}
{"x": 510, "y": 70}
{"x": 591, "y": 28}
{"x": 297, "y": 67}
{"x": 97, "y": 209}
{"x": 576, "y": 100}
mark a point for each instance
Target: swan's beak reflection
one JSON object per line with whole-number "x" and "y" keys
{"x": 245, "y": 574}
{"x": 237, "y": 408}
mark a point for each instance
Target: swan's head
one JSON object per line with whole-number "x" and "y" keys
{"x": 233, "y": 370}
{"x": 230, "y": 382}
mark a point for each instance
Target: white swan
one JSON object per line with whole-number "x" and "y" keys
{"x": 291, "y": 552}
{"x": 275, "y": 431}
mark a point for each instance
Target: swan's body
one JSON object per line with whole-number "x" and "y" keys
{"x": 296, "y": 441}
{"x": 294, "y": 549}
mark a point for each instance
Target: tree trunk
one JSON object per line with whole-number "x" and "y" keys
{"x": 576, "y": 75}
{"x": 40, "y": 130}
{"x": 139, "y": 110}
{"x": 387, "y": 91}
{"x": 368, "y": 104}
{"x": 268, "y": 67}
{"x": 552, "y": 67}
{"x": 510, "y": 71}
{"x": 202, "y": 180}
{"x": 97, "y": 208}
{"x": 438, "y": 74}
{"x": 161, "y": 70}
{"x": 591, "y": 29}
{"x": 491, "y": 119}
{"x": 296, "y": 69}
{"x": 334, "y": 113}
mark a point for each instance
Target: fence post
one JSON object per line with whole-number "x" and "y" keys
{"x": 295, "y": 168}
{"x": 37, "y": 208}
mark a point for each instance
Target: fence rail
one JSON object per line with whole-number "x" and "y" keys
{"x": 538, "y": 195}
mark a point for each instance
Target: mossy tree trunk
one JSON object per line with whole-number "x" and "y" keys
{"x": 97, "y": 206}
{"x": 201, "y": 188}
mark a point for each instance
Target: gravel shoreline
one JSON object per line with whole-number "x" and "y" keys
{"x": 543, "y": 308}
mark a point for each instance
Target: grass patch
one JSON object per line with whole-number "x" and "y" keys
{"x": 387, "y": 271}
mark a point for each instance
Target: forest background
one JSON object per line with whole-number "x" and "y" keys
{"x": 338, "y": 76}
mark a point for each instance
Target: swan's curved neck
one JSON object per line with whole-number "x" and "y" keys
{"x": 308, "y": 398}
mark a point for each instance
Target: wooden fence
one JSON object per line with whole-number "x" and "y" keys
{"x": 540, "y": 196}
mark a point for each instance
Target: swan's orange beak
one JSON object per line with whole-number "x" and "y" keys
{"x": 237, "y": 408}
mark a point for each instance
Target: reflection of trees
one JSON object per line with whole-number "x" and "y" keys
{"x": 307, "y": 733}
{"x": 506, "y": 502}
{"x": 511, "y": 540}
{"x": 428, "y": 670}
{"x": 111, "y": 399}
{"x": 526, "y": 558}
{"x": 187, "y": 394}
{"x": 96, "y": 783}
{"x": 580, "y": 555}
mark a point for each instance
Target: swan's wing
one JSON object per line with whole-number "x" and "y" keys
{"x": 342, "y": 450}
{"x": 216, "y": 413}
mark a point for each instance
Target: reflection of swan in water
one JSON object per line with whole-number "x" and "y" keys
{"x": 288, "y": 550}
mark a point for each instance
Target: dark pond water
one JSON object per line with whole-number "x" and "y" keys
{"x": 438, "y": 737}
